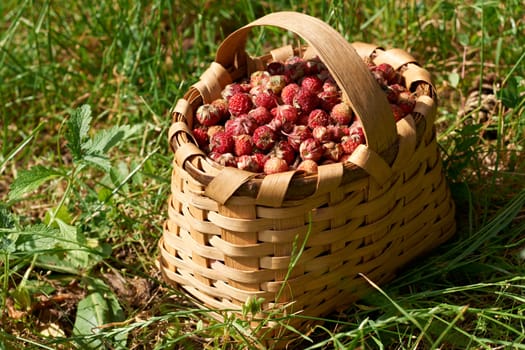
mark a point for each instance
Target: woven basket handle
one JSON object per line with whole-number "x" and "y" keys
{"x": 358, "y": 86}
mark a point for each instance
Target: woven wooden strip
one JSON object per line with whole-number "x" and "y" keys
{"x": 253, "y": 250}
{"x": 222, "y": 187}
{"x": 367, "y": 159}
{"x": 282, "y": 53}
{"x": 329, "y": 177}
{"x": 395, "y": 57}
{"x": 273, "y": 189}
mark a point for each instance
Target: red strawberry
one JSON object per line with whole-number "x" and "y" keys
{"x": 288, "y": 93}
{"x": 388, "y": 72}
{"x": 288, "y": 112}
{"x": 201, "y": 136}
{"x": 406, "y": 101}
{"x": 330, "y": 85}
{"x": 280, "y": 124}
{"x": 259, "y": 78}
{"x": 275, "y": 165}
{"x": 397, "y": 111}
{"x": 248, "y": 163}
{"x": 333, "y": 151}
{"x": 328, "y": 99}
{"x": 222, "y": 106}
{"x": 264, "y": 137}
{"x": 308, "y": 166}
{"x": 314, "y": 66}
{"x": 243, "y": 144}
{"x": 208, "y": 115}
{"x": 312, "y": 83}
{"x": 240, "y": 103}
{"x": 336, "y": 132}
{"x": 311, "y": 149}
{"x": 318, "y": 117}
{"x": 294, "y": 68}
{"x": 284, "y": 151}
{"x": 211, "y": 130}
{"x": 260, "y": 158}
{"x": 298, "y": 135}
{"x": 260, "y": 115}
{"x": 305, "y": 100}
{"x": 321, "y": 134}
{"x": 342, "y": 114}
{"x": 355, "y": 138}
{"x": 221, "y": 142}
{"x": 243, "y": 124}
{"x": 275, "y": 83}
{"x": 275, "y": 68}
{"x": 232, "y": 89}
{"x": 266, "y": 99}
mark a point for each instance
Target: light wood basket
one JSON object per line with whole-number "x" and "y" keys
{"x": 230, "y": 234}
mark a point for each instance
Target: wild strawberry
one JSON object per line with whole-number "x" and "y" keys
{"x": 275, "y": 68}
{"x": 379, "y": 76}
{"x": 242, "y": 124}
{"x": 240, "y": 103}
{"x": 392, "y": 94}
{"x": 342, "y": 114}
{"x": 275, "y": 83}
{"x": 388, "y": 72}
{"x": 328, "y": 99}
{"x": 336, "y": 132}
{"x": 275, "y": 165}
{"x": 298, "y": 135}
{"x": 314, "y": 66}
{"x": 397, "y": 111}
{"x": 280, "y": 124}
{"x": 294, "y": 68}
{"x": 333, "y": 151}
{"x": 224, "y": 159}
{"x": 232, "y": 89}
{"x": 286, "y": 111}
{"x": 308, "y": 166}
{"x": 312, "y": 83}
{"x": 259, "y": 78}
{"x": 264, "y": 137}
{"x": 201, "y": 136}
{"x": 222, "y": 106}
{"x": 243, "y": 144}
{"x": 266, "y": 99}
{"x": 208, "y": 115}
{"x": 305, "y": 100}
{"x": 318, "y": 117}
{"x": 355, "y": 138}
{"x": 406, "y": 101}
{"x": 321, "y": 134}
{"x": 311, "y": 149}
{"x": 260, "y": 158}
{"x": 288, "y": 93}
{"x": 260, "y": 115}
{"x": 221, "y": 142}
{"x": 330, "y": 85}
{"x": 248, "y": 163}
{"x": 211, "y": 130}
{"x": 284, "y": 151}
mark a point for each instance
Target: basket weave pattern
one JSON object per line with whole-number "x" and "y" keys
{"x": 230, "y": 235}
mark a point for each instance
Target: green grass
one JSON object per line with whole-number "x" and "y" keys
{"x": 82, "y": 241}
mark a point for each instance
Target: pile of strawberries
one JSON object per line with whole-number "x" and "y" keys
{"x": 289, "y": 116}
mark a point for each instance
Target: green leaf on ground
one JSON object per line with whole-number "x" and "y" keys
{"x": 97, "y": 309}
{"x": 77, "y": 130}
{"x": 31, "y": 179}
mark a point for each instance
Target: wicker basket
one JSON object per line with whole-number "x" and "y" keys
{"x": 231, "y": 234}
